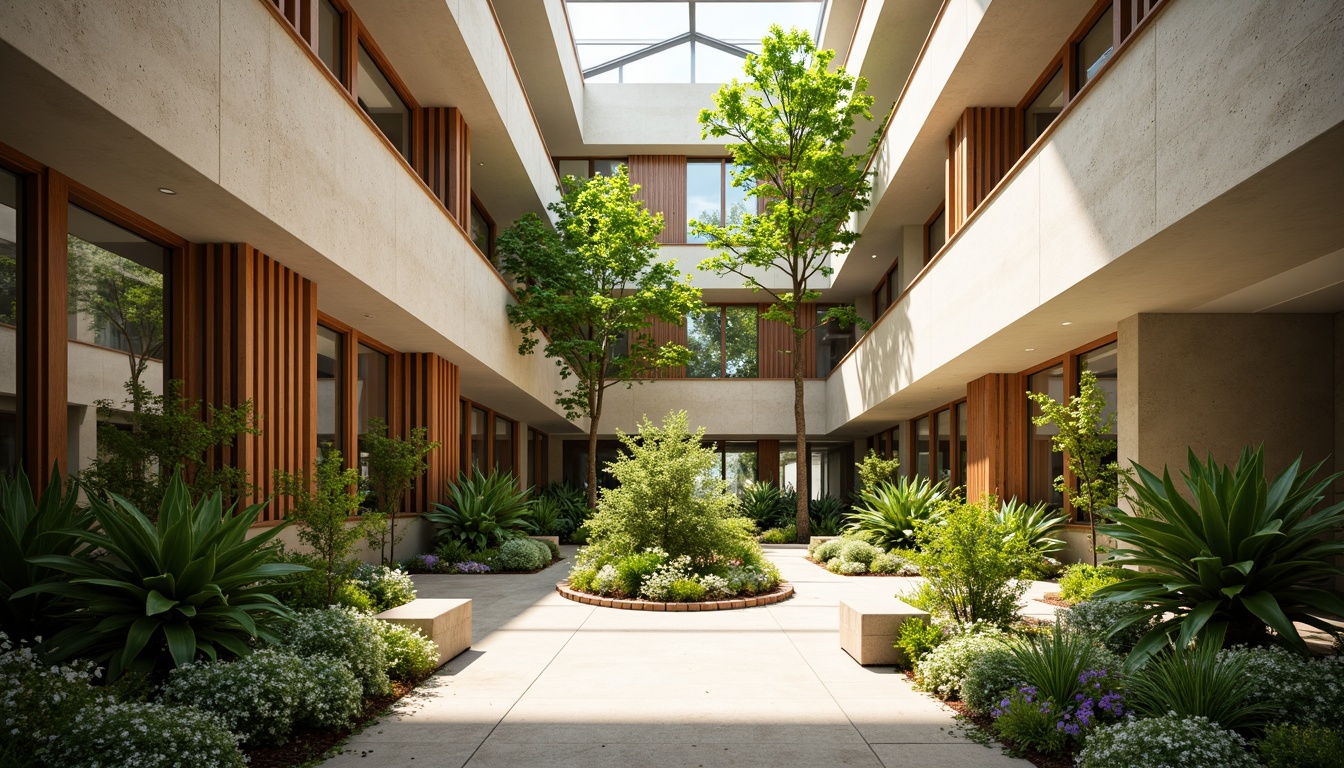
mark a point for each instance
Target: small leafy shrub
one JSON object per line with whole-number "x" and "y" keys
{"x": 893, "y": 564}
{"x": 1296, "y": 746}
{"x": 827, "y": 551}
{"x": 261, "y": 697}
{"x": 453, "y": 551}
{"x": 685, "y": 591}
{"x": 1080, "y": 580}
{"x": 1030, "y": 721}
{"x": 333, "y": 696}
{"x": 1096, "y": 618}
{"x": 471, "y": 566}
{"x": 942, "y": 671}
{"x": 386, "y": 587}
{"x": 410, "y": 655}
{"x": 851, "y": 569}
{"x": 140, "y": 735}
{"x": 970, "y": 563}
{"x": 917, "y": 638}
{"x": 660, "y": 583}
{"x": 546, "y": 516}
{"x": 752, "y": 579}
{"x": 345, "y": 635}
{"x": 607, "y": 580}
{"x": 582, "y": 579}
{"x": 1168, "y": 740}
{"x": 573, "y": 503}
{"x": 39, "y": 702}
{"x": 1197, "y": 683}
{"x": 888, "y": 514}
{"x": 518, "y": 555}
{"x": 786, "y": 535}
{"x": 716, "y": 587}
{"x": 191, "y": 583}
{"x": 421, "y": 564}
{"x": 544, "y": 550}
{"x": 482, "y": 510}
{"x": 1055, "y": 663}
{"x": 552, "y": 549}
{"x": 633, "y": 570}
{"x": 1251, "y": 555}
{"x": 875, "y": 470}
{"x": 859, "y": 552}
{"x": 1296, "y": 690}
{"x": 990, "y": 677}
{"x": 322, "y": 507}
{"x": 308, "y": 589}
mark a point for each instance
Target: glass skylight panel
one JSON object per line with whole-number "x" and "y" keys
{"x": 670, "y": 66}
{"x": 715, "y": 66}
{"x": 593, "y": 54}
{"x": 749, "y": 22}
{"x": 627, "y": 22}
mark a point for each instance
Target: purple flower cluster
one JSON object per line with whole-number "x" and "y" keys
{"x": 471, "y": 566}
{"x": 1028, "y": 695}
{"x": 1095, "y": 700}
{"x": 429, "y": 561}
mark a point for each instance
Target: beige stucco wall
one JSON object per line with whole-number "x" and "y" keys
{"x": 1218, "y": 383}
{"x": 751, "y": 408}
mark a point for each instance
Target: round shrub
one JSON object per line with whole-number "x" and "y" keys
{"x": 1096, "y": 617}
{"x": 386, "y": 587}
{"x": 662, "y": 584}
{"x": 827, "y": 550}
{"x": 410, "y": 655}
{"x": 1298, "y": 690}
{"x": 990, "y": 677}
{"x": 633, "y": 570}
{"x": 859, "y": 552}
{"x": 888, "y": 563}
{"x": 943, "y": 670}
{"x": 257, "y": 697}
{"x": 849, "y": 568}
{"x": 1295, "y": 746}
{"x": 685, "y": 591}
{"x": 39, "y": 702}
{"x": 606, "y": 580}
{"x": 581, "y": 579}
{"x": 752, "y": 579}
{"x": 140, "y": 735}
{"x": 518, "y": 555}
{"x": 917, "y": 638}
{"x": 552, "y": 548}
{"x": 716, "y": 587}
{"x": 1165, "y": 742}
{"x": 332, "y": 694}
{"x": 1081, "y": 580}
{"x": 346, "y": 635}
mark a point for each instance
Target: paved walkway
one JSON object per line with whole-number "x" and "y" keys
{"x": 550, "y": 682}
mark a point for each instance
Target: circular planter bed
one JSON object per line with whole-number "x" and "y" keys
{"x": 782, "y": 592}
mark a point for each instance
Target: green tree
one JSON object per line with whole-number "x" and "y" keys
{"x": 163, "y": 434}
{"x": 393, "y": 465}
{"x": 790, "y": 124}
{"x": 1083, "y": 436}
{"x": 323, "y": 503}
{"x": 875, "y": 470}
{"x": 589, "y": 283}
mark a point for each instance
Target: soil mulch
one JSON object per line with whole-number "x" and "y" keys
{"x": 986, "y": 725}
{"x": 1052, "y": 598}
{"x": 307, "y": 745}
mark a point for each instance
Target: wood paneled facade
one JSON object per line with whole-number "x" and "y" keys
{"x": 441, "y": 155}
{"x": 775, "y": 347}
{"x": 982, "y": 147}
{"x": 244, "y": 330}
{"x": 425, "y": 394}
{"x": 996, "y": 436}
{"x": 662, "y": 182}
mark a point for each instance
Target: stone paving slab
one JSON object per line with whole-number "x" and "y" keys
{"x": 552, "y": 682}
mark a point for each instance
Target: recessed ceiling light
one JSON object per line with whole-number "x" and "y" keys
{"x": 874, "y": 255}
{"x": 1029, "y": 349}
{"x": 368, "y": 315}
{"x": 167, "y": 191}
{"x": 1067, "y": 322}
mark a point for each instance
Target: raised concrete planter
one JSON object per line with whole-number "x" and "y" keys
{"x": 553, "y": 539}
{"x": 445, "y": 621}
{"x": 869, "y": 625}
{"x": 812, "y": 541}
{"x": 783, "y": 592}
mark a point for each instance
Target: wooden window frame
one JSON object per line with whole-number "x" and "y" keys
{"x": 539, "y": 456}
{"x": 954, "y": 478}
{"x": 351, "y": 338}
{"x": 489, "y": 253}
{"x": 885, "y": 284}
{"x": 1071, "y": 362}
{"x": 723, "y": 193}
{"x": 465, "y": 435}
{"x": 929, "y": 254}
{"x": 1066, "y": 60}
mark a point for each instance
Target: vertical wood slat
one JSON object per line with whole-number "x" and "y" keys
{"x": 983, "y": 145}
{"x": 44, "y": 389}
{"x": 775, "y": 342}
{"x": 425, "y": 394}
{"x": 441, "y": 155}
{"x": 1129, "y": 14}
{"x": 767, "y": 461}
{"x": 996, "y": 436}
{"x": 244, "y": 330}
{"x": 662, "y": 182}
{"x": 668, "y": 333}
{"x": 301, "y": 15}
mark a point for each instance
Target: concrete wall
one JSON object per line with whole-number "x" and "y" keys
{"x": 1218, "y": 383}
{"x": 419, "y": 540}
{"x": 748, "y": 408}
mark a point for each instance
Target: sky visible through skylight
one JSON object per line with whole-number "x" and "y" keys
{"x": 656, "y": 41}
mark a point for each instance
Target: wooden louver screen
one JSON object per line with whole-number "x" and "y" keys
{"x": 301, "y": 16}
{"x": 996, "y": 436}
{"x": 775, "y": 343}
{"x": 244, "y": 328}
{"x": 662, "y": 182}
{"x": 441, "y": 155}
{"x": 664, "y": 333}
{"x": 982, "y": 147}
{"x": 428, "y": 397}
{"x": 1129, "y": 14}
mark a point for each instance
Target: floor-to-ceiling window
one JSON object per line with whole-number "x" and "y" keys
{"x": 11, "y": 253}
{"x": 329, "y": 394}
{"x": 1043, "y": 464}
{"x": 116, "y": 325}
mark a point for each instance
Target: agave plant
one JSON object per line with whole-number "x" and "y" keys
{"x": 573, "y": 503}
{"x": 1035, "y": 524}
{"x": 1197, "y": 682}
{"x": 760, "y": 502}
{"x": 546, "y": 517}
{"x": 29, "y": 529}
{"x": 827, "y": 516}
{"x": 1247, "y": 555}
{"x": 166, "y": 592}
{"x": 482, "y": 510}
{"x": 888, "y": 513}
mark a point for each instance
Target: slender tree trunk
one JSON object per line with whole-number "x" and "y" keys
{"x": 595, "y": 414}
{"x": 800, "y": 423}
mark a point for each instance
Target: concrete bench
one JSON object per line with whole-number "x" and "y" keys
{"x": 446, "y": 622}
{"x": 869, "y": 626}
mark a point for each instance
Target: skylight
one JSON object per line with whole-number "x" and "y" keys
{"x": 666, "y": 41}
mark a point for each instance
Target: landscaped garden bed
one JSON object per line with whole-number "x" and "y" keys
{"x": 781, "y": 592}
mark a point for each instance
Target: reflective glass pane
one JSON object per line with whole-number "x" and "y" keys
{"x": 480, "y": 459}
{"x": 1043, "y": 464}
{"x": 922, "y": 447}
{"x": 480, "y": 229}
{"x": 937, "y": 235}
{"x": 116, "y": 328}
{"x": 737, "y": 200}
{"x": 593, "y": 54}
{"x": 328, "y": 388}
{"x": 1104, "y": 363}
{"x": 832, "y": 343}
{"x": 1095, "y": 48}
{"x": 576, "y": 168}
{"x": 746, "y": 23}
{"x": 383, "y": 105}
{"x": 371, "y": 394}
{"x": 740, "y": 341}
{"x": 961, "y": 444}
{"x": 607, "y": 166}
{"x": 637, "y": 22}
{"x": 703, "y": 340}
{"x": 11, "y": 251}
{"x": 329, "y": 36}
{"x": 704, "y": 194}
{"x": 668, "y": 66}
{"x": 1045, "y": 107}
{"x": 503, "y": 444}
{"x": 739, "y": 466}
{"x": 943, "y": 426}
{"x": 716, "y": 66}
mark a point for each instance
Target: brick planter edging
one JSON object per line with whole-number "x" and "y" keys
{"x": 783, "y": 592}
